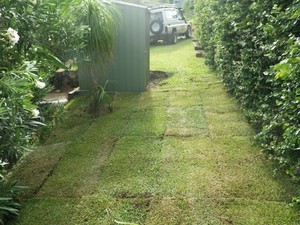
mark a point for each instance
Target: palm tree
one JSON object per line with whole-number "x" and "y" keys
{"x": 101, "y": 19}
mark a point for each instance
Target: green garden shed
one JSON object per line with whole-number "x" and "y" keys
{"x": 128, "y": 69}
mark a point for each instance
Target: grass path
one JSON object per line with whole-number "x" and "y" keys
{"x": 180, "y": 153}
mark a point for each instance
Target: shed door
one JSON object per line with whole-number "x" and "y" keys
{"x": 128, "y": 70}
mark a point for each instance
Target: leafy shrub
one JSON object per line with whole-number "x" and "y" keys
{"x": 100, "y": 101}
{"x": 32, "y": 35}
{"x": 9, "y": 206}
{"x": 18, "y": 113}
{"x": 52, "y": 115}
{"x": 9, "y": 192}
{"x": 254, "y": 46}
{"x": 29, "y": 38}
{"x": 35, "y": 37}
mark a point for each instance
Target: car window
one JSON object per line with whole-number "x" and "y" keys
{"x": 180, "y": 16}
{"x": 156, "y": 16}
{"x": 172, "y": 14}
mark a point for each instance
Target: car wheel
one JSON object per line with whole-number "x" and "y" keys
{"x": 156, "y": 27}
{"x": 173, "y": 38}
{"x": 188, "y": 33}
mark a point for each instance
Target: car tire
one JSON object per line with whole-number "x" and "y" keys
{"x": 173, "y": 38}
{"x": 156, "y": 27}
{"x": 188, "y": 33}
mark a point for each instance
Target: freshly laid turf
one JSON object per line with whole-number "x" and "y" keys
{"x": 179, "y": 153}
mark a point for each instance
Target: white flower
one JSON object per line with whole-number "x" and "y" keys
{"x": 33, "y": 2}
{"x": 13, "y": 36}
{"x": 35, "y": 113}
{"x": 40, "y": 84}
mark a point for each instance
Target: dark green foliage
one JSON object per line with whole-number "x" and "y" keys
{"x": 26, "y": 62}
{"x": 52, "y": 115}
{"x": 100, "y": 101}
{"x": 25, "y": 67}
{"x": 9, "y": 206}
{"x": 35, "y": 38}
{"x": 101, "y": 19}
{"x": 255, "y": 47}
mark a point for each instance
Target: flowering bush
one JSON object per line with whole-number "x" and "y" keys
{"x": 17, "y": 108}
{"x": 17, "y": 118}
{"x": 13, "y": 36}
{"x": 33, "y": 40}
{"x": 33, "y": 37}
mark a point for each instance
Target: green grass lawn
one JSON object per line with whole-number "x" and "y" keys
{"x": 179, "y": 153}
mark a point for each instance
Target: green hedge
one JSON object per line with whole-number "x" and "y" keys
{"x": 255, "y": 47}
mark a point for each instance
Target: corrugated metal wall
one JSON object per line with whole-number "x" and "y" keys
{"x": 128, "y": 70}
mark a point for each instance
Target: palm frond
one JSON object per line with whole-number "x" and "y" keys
{"x": 102, "y": 20}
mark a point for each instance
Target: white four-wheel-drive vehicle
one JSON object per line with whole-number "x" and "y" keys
{"x": 167, "y": 23}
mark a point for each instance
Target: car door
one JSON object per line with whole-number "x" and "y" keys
{"x": 175, "y": 20}
{"x": 181, "y": 22}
